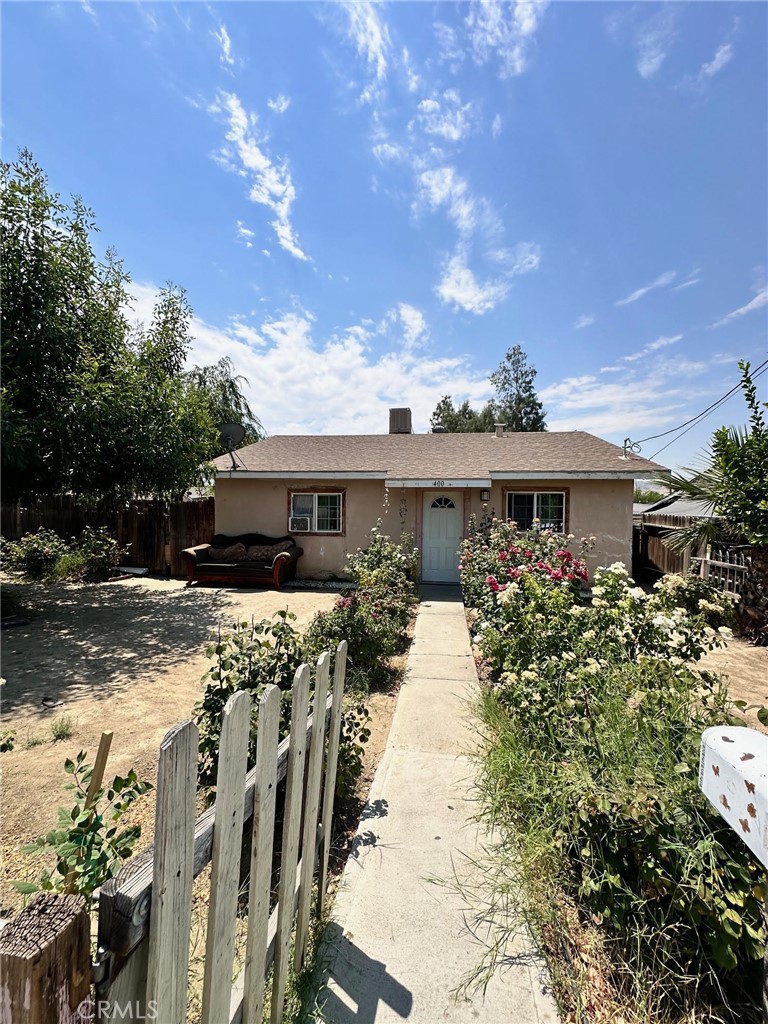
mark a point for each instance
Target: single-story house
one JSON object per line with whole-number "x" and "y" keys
{"x": 329, "y": 490}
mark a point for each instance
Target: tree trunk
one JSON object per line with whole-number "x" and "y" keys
{"x": 752, "y": 609}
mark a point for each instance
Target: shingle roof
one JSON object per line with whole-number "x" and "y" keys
{"x": 438, "y": 456}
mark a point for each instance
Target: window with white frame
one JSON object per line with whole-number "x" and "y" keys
{"x": 316, "y": 512}
{"x": 546, "y": 506}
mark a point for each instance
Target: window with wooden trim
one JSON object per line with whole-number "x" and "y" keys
{"x": 546, "y": 506}
{"x": 316, "y": 512}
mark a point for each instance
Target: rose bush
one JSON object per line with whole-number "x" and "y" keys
{"x": 594, "y": 710}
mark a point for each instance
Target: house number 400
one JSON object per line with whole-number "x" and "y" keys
{"x": 438, "y": 483}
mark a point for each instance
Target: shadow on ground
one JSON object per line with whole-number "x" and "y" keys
{"x": 354, "y": 986}
{"x": 99, "y": 636}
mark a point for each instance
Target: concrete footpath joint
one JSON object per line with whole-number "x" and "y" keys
{"x": 400, "y": 946}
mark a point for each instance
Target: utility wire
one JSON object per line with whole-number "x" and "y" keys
{"x": 690, "y": 424}
{"x": 710, "y": 408}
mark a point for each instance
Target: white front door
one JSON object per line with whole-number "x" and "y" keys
{"x": 441, "y": 536}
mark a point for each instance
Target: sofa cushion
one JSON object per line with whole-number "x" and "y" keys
{"x": 267, "y": 552}
{"x": 233, "y": 553}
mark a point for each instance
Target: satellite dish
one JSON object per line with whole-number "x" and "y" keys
{"x": 230, "y": 436}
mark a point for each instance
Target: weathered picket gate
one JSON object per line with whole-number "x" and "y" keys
{"x": 145, "y": 911}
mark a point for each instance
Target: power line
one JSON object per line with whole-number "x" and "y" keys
{"x": 763, "y": 368}
{"x": 710, "y": 408}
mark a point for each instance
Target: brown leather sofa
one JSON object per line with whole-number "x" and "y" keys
{"x": 250, "y": 558}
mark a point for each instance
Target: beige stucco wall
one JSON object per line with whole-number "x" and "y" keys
{"x": 602, "y": 508}
{"x": 244, "y": 506}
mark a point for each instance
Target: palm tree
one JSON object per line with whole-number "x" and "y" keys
{"x": 733, "y": 485}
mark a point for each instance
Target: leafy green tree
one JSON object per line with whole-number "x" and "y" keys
{"x": 516, "y": 404}
{"x": 464, "y": 419}
{"x": 224, "y": 390}
{"x": 91, "y": 406}
{"x": 516, "y": 399}
{"x": 733, "y": 485}
{"x": 646, "y": 497}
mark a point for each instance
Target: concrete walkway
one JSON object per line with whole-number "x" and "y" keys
{"x": 399, "y": 947}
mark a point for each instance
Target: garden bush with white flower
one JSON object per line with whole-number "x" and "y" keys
{"x": 595, "y": 710}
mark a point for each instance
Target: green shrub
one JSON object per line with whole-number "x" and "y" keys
{"x": 100, "y": 552}
{"x": 45, "y": 556}
{"x": 371, "y": 633}
{"x": 88, "y": 844}
{"x": 35, "y": 555}
{"x": 250, "y": 657}
{"x": 62, "y": 728}
{"x": 595, "y": 714}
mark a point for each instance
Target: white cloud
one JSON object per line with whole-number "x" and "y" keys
{"x": 661, "y": 282}
{"x": 693, "y": 278}
{"x": 653, "y": 41}
{"x": 443, "y": 186}
{"x": 279, "y": 104}
{"x": 718, "y": 62}
{"x": 760, "y": 300}
{"x": 585, "y": 320}
{"x": 653, "y": 346}
{"x": 504, "y": 31}
{"x": 450, "y": 49}
{"x": 370, "y": 37}
{"x": 447, "y": 117}
{"x": 414, "y": 325}
{"x": 225, "y": 45}
{"x": 271, "y": 183}
{"x": 86, "y": 6}
{"x": 384, "y": 151}
{"x": 630, "y": 401}
{"x": 460, "y": 289}
{"x": 413, "y": 80}
{"x": 496, "y": 126}
{"x": 245, "y": 234}
{"x": 286, "y": 347}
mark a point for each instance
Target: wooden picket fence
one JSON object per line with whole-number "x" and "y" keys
{"x": 725, "y": 569}
{"x": 145, "y": 911}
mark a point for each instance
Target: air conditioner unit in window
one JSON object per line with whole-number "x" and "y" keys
{"x": 299, "y": 524}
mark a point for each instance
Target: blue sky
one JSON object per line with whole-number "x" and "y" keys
{"x": 369, "y": 203}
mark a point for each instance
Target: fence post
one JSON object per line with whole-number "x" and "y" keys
{"x": 45, "y": 962}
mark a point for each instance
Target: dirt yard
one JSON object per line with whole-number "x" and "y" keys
{"x": 747, "y": 670}
{"x": 126, "y": 655}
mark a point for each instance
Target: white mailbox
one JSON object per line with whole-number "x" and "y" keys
{"x": 733, "y": 775}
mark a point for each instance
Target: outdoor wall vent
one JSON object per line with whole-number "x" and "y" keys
{"x": 400, "y": 421}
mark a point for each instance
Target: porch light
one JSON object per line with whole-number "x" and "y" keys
{"x": 485, "y": 495}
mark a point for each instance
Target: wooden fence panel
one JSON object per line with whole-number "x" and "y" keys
{"x": 225, "y": 860}
{"x": 264, "y": 795}
{"x": 171, "y": 913}
{"x": 334, "y": 731}
{"x": 290, "y": 846}
{"x": 155, "y": 531}
{"x": 311, "y": 809}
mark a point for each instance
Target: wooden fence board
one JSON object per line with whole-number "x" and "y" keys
{"x": 311, "y": 809}
{"x": 171, "y": 914}
{"x": 264, "y": 794}
{"x": 125, "y": 899}
{"x": 290, "y": 845}
{"x": 225, "y": 859}
{"x": 156, "y": 531}
{"x": 334, "y": 730}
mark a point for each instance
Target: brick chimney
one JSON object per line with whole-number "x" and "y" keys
{"x": 400, "y": 421}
